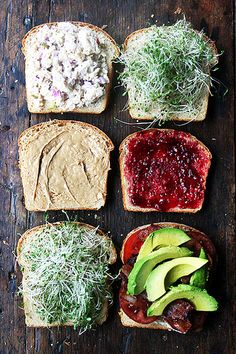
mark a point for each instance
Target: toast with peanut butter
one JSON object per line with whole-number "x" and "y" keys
{"x": 68, "y": 67}
{"x": 64, "y": 165}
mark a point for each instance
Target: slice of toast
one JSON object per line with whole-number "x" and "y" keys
{"x": 161, "y": 323}
{"x": 135, "y": 41}
{"x": 64, "y": 165}
{"x": 128, "y": 322}
{"x": 147, "y": 168}
{"x": 68, "y": 67}
{"x": 32, "y": 319}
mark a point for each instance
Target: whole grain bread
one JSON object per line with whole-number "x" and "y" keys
{"x": 124, "y": 183}
{"x": 64, "y": 165}
{"x": 111, "y": 51}
{"x": 134, "y": 41}
{"x": 160, "y": 323}
{"x": 31, "y": 317}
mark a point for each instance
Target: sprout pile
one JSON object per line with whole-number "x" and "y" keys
{"x": 168, "y": 70}
{"x": 66, "y": 274}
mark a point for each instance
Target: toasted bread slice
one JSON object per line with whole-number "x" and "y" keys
{"x": 57, "y": 77}
{"x": 135, "y": 41}
{"x": 32, "y": 319}
{"x": 128, "y": 322}
{"x": 127, "y": 183}
{"x": 161, "y": 323}
{"x": 64, "y": 165}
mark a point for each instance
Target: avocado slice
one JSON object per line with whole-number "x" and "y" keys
{"x": 142, "y": 268}
{"x": 201, "y": 300}
{"x": 200, "y": 277}
{"x": 167, "y": 273}
{"x": 167, "y": 236}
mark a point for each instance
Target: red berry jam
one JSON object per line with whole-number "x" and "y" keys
{"x": 166, "y": 169}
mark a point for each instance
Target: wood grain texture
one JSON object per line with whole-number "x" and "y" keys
{"x": 216, "y": 218}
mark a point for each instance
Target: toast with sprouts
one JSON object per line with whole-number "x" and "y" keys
{"x": 66, "y": 279}
{"x": 167, "y": 72}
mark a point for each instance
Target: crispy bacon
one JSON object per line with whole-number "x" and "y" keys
{"x": 176, "y": 314}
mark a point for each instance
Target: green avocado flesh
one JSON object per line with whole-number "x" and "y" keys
{"x": 166, "y": 236}
{"x": 142, "y": 268}
{"x": 200, "y": 277}
{"x": 200, "y": 299}
{"x": 168, "y": 273}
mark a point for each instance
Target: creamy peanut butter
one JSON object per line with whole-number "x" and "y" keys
{"x": 64, "y": 166}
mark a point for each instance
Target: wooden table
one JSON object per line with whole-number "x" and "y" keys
{"x": 216, "y": 218}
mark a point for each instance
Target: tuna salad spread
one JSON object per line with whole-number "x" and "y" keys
{"x": 66, "y": 67}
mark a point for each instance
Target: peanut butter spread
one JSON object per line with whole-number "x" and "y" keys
{"x": 64, "y": 165}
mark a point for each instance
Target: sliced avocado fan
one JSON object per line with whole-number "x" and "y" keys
{"x": 200, "y": 277}
{"x": 200, "y": 299}
{"x": 142, "y": 268}
{"x": 166, "y": 236}
{"x": 168, "y": 273}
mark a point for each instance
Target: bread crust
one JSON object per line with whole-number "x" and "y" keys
{"x": 125, "y": 320}
{"x": 183, "y": 227}
{"x": 102, "y": 103}
{"x": 56, "y": 122}
{"x": 76, "y": 23}
{"x": 25, "y": 237}
{"x": 61, "y": 122}
{"x": 124, "y": 185}
{"x": 202, "y": 112}
{"x": 128, "y": 322}
{"x": 30, "y": 232}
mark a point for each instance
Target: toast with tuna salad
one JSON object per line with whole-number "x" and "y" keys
{"x": 64, "y": 165}
{"x": 68, "y": 67}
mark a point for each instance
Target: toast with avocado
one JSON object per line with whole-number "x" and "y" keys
{"x": 165, "y": 275}
{"x": 68, "y": 67}
{"x": 64, "y": 165}
{"x": 66, "y": 278}
{"x": 167, "y": 72}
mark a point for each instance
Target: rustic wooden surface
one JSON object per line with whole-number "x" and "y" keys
{"x": 216, "y": 219}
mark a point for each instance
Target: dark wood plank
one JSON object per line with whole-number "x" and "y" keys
{"x": 216, "y": 218}
{"x": 14, "y": 118}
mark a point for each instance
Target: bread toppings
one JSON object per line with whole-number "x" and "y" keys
{"x": 67, "y": 66}
{"x": 66, "y": 278}
{"x": 161, "y": 293}
{"x": 167, "y": 72}
{"x": 165, "y": 170}
{"x": 69, "y": 163}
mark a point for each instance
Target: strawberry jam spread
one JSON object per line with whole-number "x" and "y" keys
{"x": 166, "y": 169}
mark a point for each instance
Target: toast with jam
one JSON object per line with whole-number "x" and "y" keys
{"x": 163, "y": 170}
